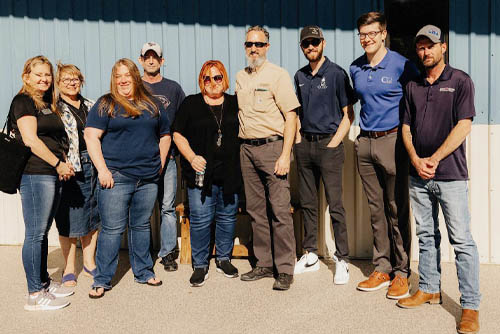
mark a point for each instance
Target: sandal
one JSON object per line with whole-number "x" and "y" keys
{"x": 89, "y": 273}
{"x": 69, "y": 278}
{"x": 97, "y": 295}
{"x": 152, "y": 284}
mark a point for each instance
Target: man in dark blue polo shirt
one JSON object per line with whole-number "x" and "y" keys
{"x": 325, "y": 117}
{"x": 379, "y": 77}
{"x": 439, "y": 108}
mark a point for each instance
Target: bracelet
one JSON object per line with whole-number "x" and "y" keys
{"x": 58, "y": 163}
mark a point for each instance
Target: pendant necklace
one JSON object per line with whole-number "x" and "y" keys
{"x": 219, "y": 123}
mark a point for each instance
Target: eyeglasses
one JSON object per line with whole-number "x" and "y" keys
{"x": 257, "y": 44}
{"x": 370, "y": 34}
{"x": 67, "y": 81}
{"x": 313, "y": 41}
{"x": 215, "y": 78}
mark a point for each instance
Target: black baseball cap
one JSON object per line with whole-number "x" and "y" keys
{"x": 311, "y": 32}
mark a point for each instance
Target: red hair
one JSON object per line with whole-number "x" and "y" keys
{"x": 205, "y": 71}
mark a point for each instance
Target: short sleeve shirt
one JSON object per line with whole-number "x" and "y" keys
{"x": 50, "y": 130}
{"x": 264, "y": 96}
{"x": 432, "y": 111}
{"x": 130, "y": 145}
{"x": 380, "y": 89}
{"x": 322, "y": 97}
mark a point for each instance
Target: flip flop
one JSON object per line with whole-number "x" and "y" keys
{"x": 89, "y": 273}
{"x": 69, "y": 278}
{"x": 97, "y": 296}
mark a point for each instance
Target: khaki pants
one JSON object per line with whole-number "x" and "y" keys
{"x": 268, "y": 204}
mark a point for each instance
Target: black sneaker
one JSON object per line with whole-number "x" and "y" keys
{"x": 283, "y": 282}
{"x": 168, "y": 262}
{"x": 257, "y": 273}
{"x": 200, "y": 275}
{"x": 226, "y": 267}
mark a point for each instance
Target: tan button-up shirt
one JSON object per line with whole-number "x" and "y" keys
{"x": 264, "y": 96}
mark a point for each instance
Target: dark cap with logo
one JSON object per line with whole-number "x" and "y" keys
{"x": 311, "y": 32}
{"x": 431, "y": 32}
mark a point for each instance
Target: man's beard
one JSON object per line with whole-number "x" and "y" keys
{"x": 433, "y": 64}
{"x": 154, "y": 73}
{"x": 313, "y": 59}
{"x": 254, "y": 63}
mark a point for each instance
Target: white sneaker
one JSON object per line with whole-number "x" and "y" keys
{"x": 341, "y": 273}
{"x": 59, "y": 290}
{"x": 308, "y": 262}
{"x": 45, "y": 301}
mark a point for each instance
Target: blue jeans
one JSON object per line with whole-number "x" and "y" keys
{"x": 452, "y": 196}
{"x": 40, "y": 195}
{"x": 202, "y": 210}
{"x": 129, "y": 204}
{"x": 166, "y": 197}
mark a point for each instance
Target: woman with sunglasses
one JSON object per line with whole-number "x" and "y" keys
{"x": 206, "y": 133}
{"x": 77, "y": 216}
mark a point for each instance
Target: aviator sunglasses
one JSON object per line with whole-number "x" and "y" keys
{"x": 215, "y": 78}
{"x": 313, "y": 41}
{"x": 257, "y": 44}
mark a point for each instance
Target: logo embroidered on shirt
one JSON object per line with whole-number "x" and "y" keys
{"x": 163, "y": 100}
{"x": 386, "y": 80}
{"x": 447, "y": 89}
{"x": 323, "y": 85}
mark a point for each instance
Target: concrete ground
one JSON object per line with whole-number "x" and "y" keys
{"x": 223, "y": 305}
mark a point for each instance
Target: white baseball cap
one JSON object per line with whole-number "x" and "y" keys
{"x": 151, "y": 46}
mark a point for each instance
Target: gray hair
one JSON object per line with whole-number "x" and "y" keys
{"x": 259, "y": 28}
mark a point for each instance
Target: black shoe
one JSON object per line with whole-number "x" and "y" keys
{"x": 283, "y": 282}
{"x": 168, "y": 262}
{"x": 226, "y": 267}
{"x": 200, "y": 275}
{"x": 257, "y": 273}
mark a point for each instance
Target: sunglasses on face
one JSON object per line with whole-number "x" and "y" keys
{"x": 313, "y": 41}
{"x": 257, "y": 44}
{"x": 215, "y": 78}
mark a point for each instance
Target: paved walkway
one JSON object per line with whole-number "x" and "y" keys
{"x": 222, "y": 305}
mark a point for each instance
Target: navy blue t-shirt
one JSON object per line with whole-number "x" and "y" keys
{"x": 170, "y": 95}
{"x": 322, "y": 97}
{"x": 380, "y": 89}
{"x": 432, "y": 111}
{"x": 130, "y": 145}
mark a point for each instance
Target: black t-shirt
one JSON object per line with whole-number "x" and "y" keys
{"x": 218, "y": 153}
{"x": 80, "y": 116}
{"x": 50, "y": 130}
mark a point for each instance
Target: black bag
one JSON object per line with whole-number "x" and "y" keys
{"x": 13, "y": 158}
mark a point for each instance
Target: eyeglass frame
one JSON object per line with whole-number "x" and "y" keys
{"x": 208, "y": 78}
{"x": 374, "y": 33}
{"x": 68, "y": 81}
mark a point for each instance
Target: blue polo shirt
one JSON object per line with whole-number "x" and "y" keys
{"x": 322, "y": 97}
{"x": 380, "y": 89}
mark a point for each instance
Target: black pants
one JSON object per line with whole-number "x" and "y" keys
{"x": 315, "y": 160}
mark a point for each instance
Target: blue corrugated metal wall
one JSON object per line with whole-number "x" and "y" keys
{"x": 93, "y": 34}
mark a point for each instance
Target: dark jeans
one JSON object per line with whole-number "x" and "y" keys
{"x": 383, "y": 168}
{"x": 268, "y": 203}
{"x": 202, "y": 211}
{"x": 315, "y": 160}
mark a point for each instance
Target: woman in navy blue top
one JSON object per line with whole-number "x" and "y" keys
{"x": 128, "y": 137}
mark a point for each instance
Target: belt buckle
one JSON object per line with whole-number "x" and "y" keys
{"x": 254, "y": 142}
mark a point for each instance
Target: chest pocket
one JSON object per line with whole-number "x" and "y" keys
{"x": 263, "y": 100}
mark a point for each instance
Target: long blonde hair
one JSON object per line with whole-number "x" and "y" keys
{"x": 142, "y": 98}
{"x": 34, "y": 94}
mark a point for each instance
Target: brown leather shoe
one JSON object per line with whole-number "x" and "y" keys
{"x": 399, "y": 288}
{"x": 469, "y": 323}
{"x": 376, "y": 281}
{"x": 420, "y": 298}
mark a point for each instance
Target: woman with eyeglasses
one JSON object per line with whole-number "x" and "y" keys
{"x": 77, "y": 216}
{"x": 34, "y": 119}
{"x": 206, "y": 133}
{"x": 128, "y": 137}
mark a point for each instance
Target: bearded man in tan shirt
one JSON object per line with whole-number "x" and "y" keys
{"x": 267, "y": 115}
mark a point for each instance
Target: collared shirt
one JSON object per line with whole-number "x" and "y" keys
{"x": 322, "y": 97}
{"x": 264, "y": 96}
{"x": 432, "y": 111}
{"x": 380, "y": 89}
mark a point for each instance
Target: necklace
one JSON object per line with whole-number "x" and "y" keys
{"x": 76, "y": 114}
{"x": 219, "y": 123}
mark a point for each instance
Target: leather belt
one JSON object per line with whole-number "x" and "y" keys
{"x": 261, "y": 141}
{"x": 316, "y": 136}
{"x": 377, "y": 134}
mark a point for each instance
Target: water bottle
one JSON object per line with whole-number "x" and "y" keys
{"x": 198, "y": 180}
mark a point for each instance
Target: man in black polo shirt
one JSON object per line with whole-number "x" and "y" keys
{"x": 439, "y": 108}
{"x": 326, "y": 115}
